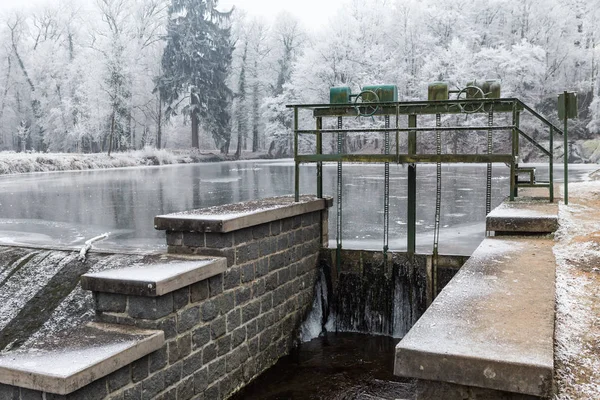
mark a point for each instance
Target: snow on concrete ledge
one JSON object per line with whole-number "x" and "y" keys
{"x": 492, "y": 326}
{"x": 523, "y": 217}
{"x": 74, "y": 359}
{"x": 231, "y": 217}
{"x": 155, "y": 279}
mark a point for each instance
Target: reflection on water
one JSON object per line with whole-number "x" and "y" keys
{"x": 67, "y": 208}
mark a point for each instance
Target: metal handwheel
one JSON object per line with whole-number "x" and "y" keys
{"x": 362, "y": 103}
{"x": 470, "y": 92}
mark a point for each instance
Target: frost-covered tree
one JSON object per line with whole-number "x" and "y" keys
{"x": 196, "y": 63}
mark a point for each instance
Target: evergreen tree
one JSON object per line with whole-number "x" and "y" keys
{"x": 196, "y": 61}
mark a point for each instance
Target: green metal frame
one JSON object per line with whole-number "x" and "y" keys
{"x": 412, "y": 109}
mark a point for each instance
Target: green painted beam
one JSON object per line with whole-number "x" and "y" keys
{"x": 406, "y": 158}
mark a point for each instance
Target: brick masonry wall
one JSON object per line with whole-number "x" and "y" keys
{"x": 221, "y": 332}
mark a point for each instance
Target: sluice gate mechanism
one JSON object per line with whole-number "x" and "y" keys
{"x": 477, "y": 98}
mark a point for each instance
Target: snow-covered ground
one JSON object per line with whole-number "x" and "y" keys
{"x": 14, "y": 163}
{"x": 577, "y": 252}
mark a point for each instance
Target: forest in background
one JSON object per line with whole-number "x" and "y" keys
{"x": 86, "y": 77}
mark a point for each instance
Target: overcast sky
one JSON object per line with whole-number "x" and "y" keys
{"x": 313, "y": 13}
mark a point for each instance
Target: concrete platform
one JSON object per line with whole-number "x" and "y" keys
{"x": 68, "y": 362}
{"x": 526, "y": 216}
{"x": 492, "y": 326}
{"x": 231, "y": 217}
{"x": 155, "y": 279}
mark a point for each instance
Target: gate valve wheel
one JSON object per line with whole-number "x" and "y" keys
{"x": 362, "y": 103}
{"x": 470, "y": 92}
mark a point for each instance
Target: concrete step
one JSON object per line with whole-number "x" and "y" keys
{"x": 69, "y": 361}
{"x": 155, "y": 279}
{"x": 523, "y": 216}
{"x": 492, "y": 326}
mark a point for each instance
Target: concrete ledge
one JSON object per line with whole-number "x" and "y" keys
{"x": 523, "y": 217}
{"x": 493, "y": 324}
{"x": 237, "y": 216}
{"x": 65, "y": 363}
{"x": 155, "y": 279}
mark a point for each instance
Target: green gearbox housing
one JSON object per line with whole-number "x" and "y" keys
{"x": 437, "y": 91}
{"x": 339, "y": 95}
{"x": 490, "y": 89}
{"x": 385, "y": 93}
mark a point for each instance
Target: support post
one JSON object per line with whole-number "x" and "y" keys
{"x": 515, "y": 154}
{"x": 412, "y": 189}
{"x": 296, "y": 163}
{"x": 551, "y": 166}
{"x": 320, "y": 163}
{"x": 566, "y": 150}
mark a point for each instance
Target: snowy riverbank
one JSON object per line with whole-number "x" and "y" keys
{"x": 577, "y": 335}
{"x": 18, "y": 163}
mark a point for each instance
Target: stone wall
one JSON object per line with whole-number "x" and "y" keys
{"x": 221, "y": 332}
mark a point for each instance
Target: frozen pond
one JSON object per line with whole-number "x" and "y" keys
{"x": 67, "y": 208}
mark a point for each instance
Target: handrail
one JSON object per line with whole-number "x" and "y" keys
{"x": 533, "y": 142}
{"x": 540, "y": 117}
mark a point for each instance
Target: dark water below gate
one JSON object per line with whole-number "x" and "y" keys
{"x": 342, "y": 366}
{"x": 67, "y": 208}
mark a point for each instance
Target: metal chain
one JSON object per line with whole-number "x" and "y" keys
{"x": 340, "y": 143}
{"x": 438, "y": 192}
{"x": 386, "y": 193}
{"x": 490, "y": 149}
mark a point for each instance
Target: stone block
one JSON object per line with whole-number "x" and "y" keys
{"x": 243, "y": 236}
{"x": 158, "y": 359}
{"x": 250, "y": 311}
{"x": 201, "y": 336}
{"x": 185, "y": 389}
{"x": 139, "y": 369}
{"x": 174, "y": 238}
{"x": 187, "y": 319}
{"x": 259, "y": 287}
{"x": 219, "y": 240}
{"x": 223, "y": 345}
{"x": 110, "y": 302}
{"x": 192, "y": 364}
{"x": 9, "y": 392}
{"x": 238, "y": 337}
{"x": 247, "y": 272}
{"x": 201, "y": 380}
{"x": 247, "y": 252}
{"x": 150, "y": 307}
{"x": 153, "y": 385}
{"x": 209, "y": 310}
{"x": 275, "y": 228}
{"x": 173, "y": 374}
{"x": 133, "y": 393}
{"x": 261, "y": 231}
{"x": 119, "y": 378}
{"x": 209, "y": 353}
{"x": 262, "y": 267}
{"x": 242, "y": 295}
{"x": 231, "y": 278}
{"x": 27, "y": 394}
{"x": 181, "y": 298}
{"x": 193, "y": 239}
{"x": 168, "y": 325}
{"x": 218, "y": 328}
{"x": 216, "y": 370}
{"x": 225, "y": 302}
{"x": 234, "y": 319}
{"x": 215, "y": 284}
{"x": 199, "y": 291}
{"x": 212, "y": 392}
